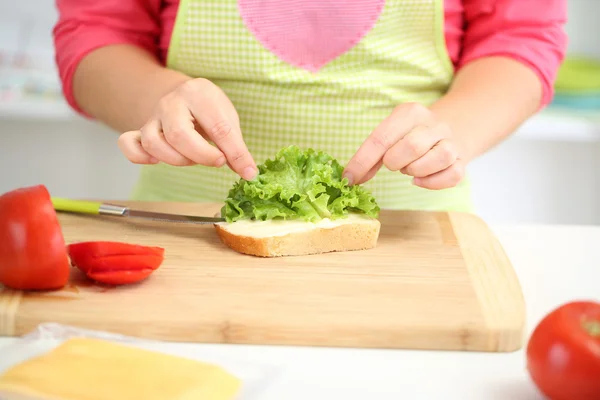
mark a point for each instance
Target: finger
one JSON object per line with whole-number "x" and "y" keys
{"x": 226, "y": 134}
{"x": 154, "y": 142}
{"x": 390, "y": 131}
{"x": 130, "y": 145}
{"x": 372, "y": 172}
{"x": 444, "y": 179}
{"x": 440, "y": 157}
{"x": 370, "y": 153}
{"x": 411, "y": 147}
{"x": 179, "y": 132}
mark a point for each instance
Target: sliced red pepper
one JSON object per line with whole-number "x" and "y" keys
{"x": 120, "y": 277}
{"x": 32, "y": 246}
{"x": 115, "y": 263}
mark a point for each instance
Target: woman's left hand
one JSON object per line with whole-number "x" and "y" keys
{"x": 411, "y": 140}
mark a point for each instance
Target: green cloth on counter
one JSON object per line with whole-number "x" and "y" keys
{"x": 578, "y": 75}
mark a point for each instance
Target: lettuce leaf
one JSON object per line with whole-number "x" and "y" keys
{"x": 298, "y": 184}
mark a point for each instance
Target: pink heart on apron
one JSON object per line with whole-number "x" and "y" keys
{"x": 310, "y": 33}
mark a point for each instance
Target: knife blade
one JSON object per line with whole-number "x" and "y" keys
{"x": 99, "y": 208}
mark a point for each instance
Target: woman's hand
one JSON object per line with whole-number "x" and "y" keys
{"x": 413, "y": 142}
{"x": 184, "y": 122}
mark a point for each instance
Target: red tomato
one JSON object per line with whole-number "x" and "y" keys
{"x": 115, "y": 263}
{"x": 563, "y": 353}
{"x": 32, "y": 247}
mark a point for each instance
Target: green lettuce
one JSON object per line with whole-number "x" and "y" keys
{"x": 298, "y": 184}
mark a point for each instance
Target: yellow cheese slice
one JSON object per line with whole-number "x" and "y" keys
{"x": 92, "y": 369}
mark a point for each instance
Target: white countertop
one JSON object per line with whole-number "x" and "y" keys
{"x": 555, "y": 264}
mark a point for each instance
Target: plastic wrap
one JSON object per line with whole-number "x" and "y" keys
{"x": 255, "y": 377}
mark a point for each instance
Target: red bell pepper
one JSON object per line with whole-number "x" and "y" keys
{"x": 115, "y": 263}
{"x": 32, "y": 247}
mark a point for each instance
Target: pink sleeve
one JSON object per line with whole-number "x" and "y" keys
{"x": 530, "y": 31}
{"x": 85, "y": 25}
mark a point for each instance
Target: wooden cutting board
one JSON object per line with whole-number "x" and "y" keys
{"x": 435, "y": 281}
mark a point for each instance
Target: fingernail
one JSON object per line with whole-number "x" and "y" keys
{"x": 220, "y": 161}
{"x": 349, "y": 177}
{"x": 249, "y": 173}
{"x": 153, "y": 160}
{"x": 416, "y": 181}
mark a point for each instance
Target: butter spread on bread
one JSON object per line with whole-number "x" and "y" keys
{"x": 274, "y": 238}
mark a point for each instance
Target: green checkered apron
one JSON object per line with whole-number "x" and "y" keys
{"x": 402, "y": 58}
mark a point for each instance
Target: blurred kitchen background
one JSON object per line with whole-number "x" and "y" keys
{"x": 548, "y": 172}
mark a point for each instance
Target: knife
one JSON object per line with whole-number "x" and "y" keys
{"x": 98, "y": 208}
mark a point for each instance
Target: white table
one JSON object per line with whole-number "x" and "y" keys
{"x": 555, "y": 264}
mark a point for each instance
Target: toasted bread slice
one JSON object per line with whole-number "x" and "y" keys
{"x": 295, "y": 238}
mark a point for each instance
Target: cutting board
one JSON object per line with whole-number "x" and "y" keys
{"x": 436, "y": 281}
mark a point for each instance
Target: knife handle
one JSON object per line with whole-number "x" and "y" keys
{"x": 88, "y": 207}
{"x": 76, "y": 206}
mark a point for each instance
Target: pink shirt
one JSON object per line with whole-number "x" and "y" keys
{"x": 530, "y": 31}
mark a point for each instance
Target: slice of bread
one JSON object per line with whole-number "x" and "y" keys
{"x": 295, "y": 238}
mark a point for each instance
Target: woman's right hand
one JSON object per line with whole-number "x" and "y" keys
{"x": 183, "y": 123}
